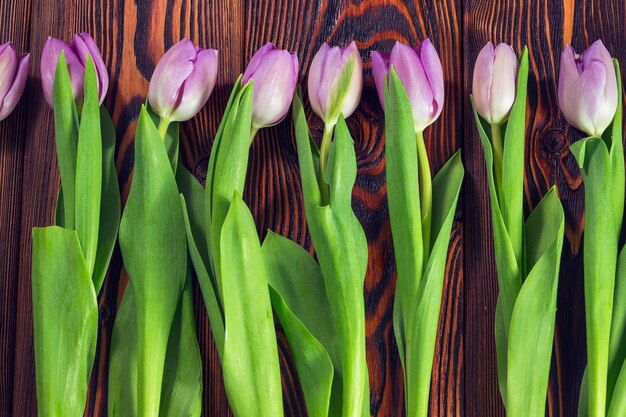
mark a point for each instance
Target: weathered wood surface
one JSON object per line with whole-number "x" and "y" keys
{"x": 132, "y": 35}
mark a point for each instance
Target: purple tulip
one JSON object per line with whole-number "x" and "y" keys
{"x": 494, "y": 82}
{"x": 421, "y": 74}
{"x": 588, "y": 88}
{"x": 335, "y": 82}
{"x": 183, "y": 81}
{"x": 13, "y": 76}
{"x": 275, "y": 74}
{"x": 76, "y": 57}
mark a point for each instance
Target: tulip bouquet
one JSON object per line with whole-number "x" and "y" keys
{"x": 590, "y": 97}
{"x": 12, "y": 78}
{"x": 223, "y": 241}
{"x": 527, "y": 253}
{"x": 155, "y": 367}
{"x": 411, "y": 90}
{"x": 70, "y": 259}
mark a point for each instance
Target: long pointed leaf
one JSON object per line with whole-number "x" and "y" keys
{"x": 532, "y": 324}
{"x": 600, "y": 258}
{"x": 424, "y": 321}
{"x": 182, "y": 378}
{"x": 228, "y": 171}
{"x": 250, "y": 361}
{"x": 153, "y": 244}
{"x": 89, "y": 170}
{"x": 110, "y": 203}
{"x": 66, "y": 127}
{"x": 65, "y": 321}
{"x": 299, "y": 299}
{"x": 512, "y": 203}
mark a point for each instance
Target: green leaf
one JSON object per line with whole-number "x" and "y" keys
{"x": 600, "y": 258}
{"x": 110, "y": 204}
{"x": 153, "y": 244}
{"x": 182, "y": 381}
{"x": 250, "y": 361}
{"x": 404, "y": 206}
{"x": 512, "y": 203}
{"x": 299, "y": 299}
{"x": 617, "y": 346}
{"x": 308, "y": 156}
{"x": 228, "y": 170}
{"x": 336, "y": 231}
{"x": 583, "y": 399}
{"x": 124, "y": 359}
{"x": 423, "y": 322}
{"x": 182, "y": 378}
{"x": 66, "y": 127}
{"x": 65, "y": 321}
{"x": 171, "y": 140}
{"x": 59, "y": 210}
{"x": 618, "y": 404}
{"x": 532, "y": 325}
{"x": 192, "y": 191}
{"x": 617, "y": 153}
{"x": 89, "y": 170}
{"x": 509, "y": 271}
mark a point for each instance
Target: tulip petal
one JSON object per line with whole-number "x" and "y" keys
{"x": 8, "y": 67}
{"x": 49, "y": 58}
{"x": 411, "y": 73}
{"x": 503, "y": 83}
{"x": 591, "y": 115}
{"x": 481, "y": 82}
{"x": 326, "y": 90}
{"x": 316, "y": 72}
{"x": 353, "y": 95}
{"x": 380, "y": 70}
{"x": 83, "y": 44}
{"x": 273, "y": 89}
{"x": 169, "y": 75}
{"x": 434, "y": 72}
{"x": 255, "y": 61}
{"x": 19, "y": 83}
{"x": 197, "y": 88}
{"x": 568, "y": 78}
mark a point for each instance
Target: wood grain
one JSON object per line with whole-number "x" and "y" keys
{"x": 16, "y": 17}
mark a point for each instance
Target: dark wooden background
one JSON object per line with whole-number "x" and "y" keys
{"x": 133, "y": 34}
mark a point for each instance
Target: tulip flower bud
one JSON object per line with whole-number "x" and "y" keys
{"x": 275, "y": 74}
{"x": 588, "y": 88}
{"x": 421, "y": 74}
{"x": 13, "y": 76}
{"x": 494, "y": 82}
{"x": 183, "y": 81}
{"x": 335, "y": 82}
{"x": 76, "y": 57}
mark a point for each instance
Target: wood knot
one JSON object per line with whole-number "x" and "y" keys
{"x": 200, "y": 170}
{"x": 104, "y": 313}
{"x": 553, "y": 142}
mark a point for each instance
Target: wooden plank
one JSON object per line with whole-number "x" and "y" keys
{"x": 39, "y": 189}
{"x": 15, "y": 16}
{"x": 274, "y": 186}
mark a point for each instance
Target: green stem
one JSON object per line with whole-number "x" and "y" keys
{"x": 498, "y": 152}
{"x": 425, "y": 190}
{"x": 164, "y": 124}
{"x": 324, "y": 152}
{"x": 253, "y": 132}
